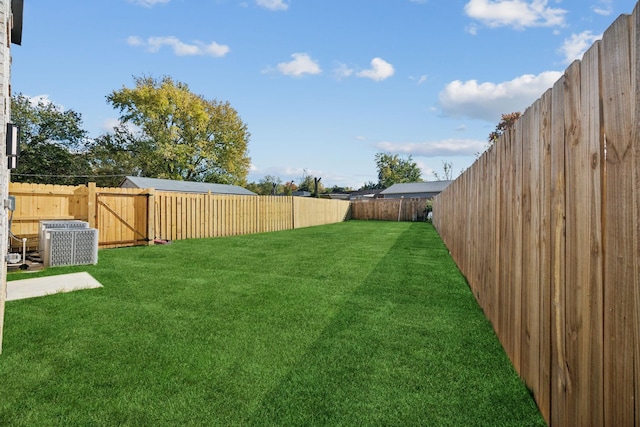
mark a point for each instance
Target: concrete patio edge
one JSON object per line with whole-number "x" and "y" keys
{"x": 42, "y": 286}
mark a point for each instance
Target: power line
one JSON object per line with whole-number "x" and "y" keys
{"x": 68, "y": 176}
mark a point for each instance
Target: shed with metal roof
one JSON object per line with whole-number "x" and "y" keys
{"x": 415, "y": 190}
{"x": 184, "y": 186}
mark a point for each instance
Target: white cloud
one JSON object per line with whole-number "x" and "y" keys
{"x": 43, "y": 100}
{"x": 108, "y": 125}
{"x": 272, "y": 4}
{"x": 180, "y": 48}
{"x": 604, "y": 7}
{"x": 488, "y": 101}
{"x": 343, "y": 71}
{"x": 134, "y": 41}
{"x": 426, "y": 169}
{"x": 302, "y": 64}
{"x": 443, "y": 148}
{"x": 515, "y": 13}
{"x": 380, "y": 70}
{"x": 148, "y": 3}
{"x": 575, "y": 46}
{"x": 472, "y": 29}
{"x": 420, "y": 79}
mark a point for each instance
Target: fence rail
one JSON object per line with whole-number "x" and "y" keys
{"x": 545, "y": 226}
{"x": 127, "y": 217}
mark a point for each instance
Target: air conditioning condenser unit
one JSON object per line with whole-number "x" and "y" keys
{"x": 70, "y": 246}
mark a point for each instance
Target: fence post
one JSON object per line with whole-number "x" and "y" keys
{"x": 293, "y": 213}
{"x": 209, "y": 215}
{"x": 91, "y": 204}
{"x": 151, "y": 210}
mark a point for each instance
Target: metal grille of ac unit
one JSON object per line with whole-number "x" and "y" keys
{"x": 59, "y": 224}
{"x": 70, "y": 247}
{"x": 86, "y": 246}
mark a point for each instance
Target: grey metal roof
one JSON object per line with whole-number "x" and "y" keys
{"x": 417, "y": 187}
{"x": 184, "y": 186}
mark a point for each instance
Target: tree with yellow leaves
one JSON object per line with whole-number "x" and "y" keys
{"x": 181, "y": 135}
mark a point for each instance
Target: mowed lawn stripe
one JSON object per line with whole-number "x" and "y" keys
{"x": 409, "y": 347}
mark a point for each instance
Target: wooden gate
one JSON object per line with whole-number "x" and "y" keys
{"x": 122, "y": 217}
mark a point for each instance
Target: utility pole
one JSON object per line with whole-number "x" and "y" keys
{"x": 315, "y": 183}
{"x": 10, "y": 22}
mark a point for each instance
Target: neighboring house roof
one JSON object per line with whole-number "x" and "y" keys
{"x": 183, "y": 186}
{"x": 416, "y": 188}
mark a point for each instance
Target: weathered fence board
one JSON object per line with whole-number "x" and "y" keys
{"x": 618, "y": 103}
{"x": 409, "y": 209}
{"x": 544, "y": 375}
{"x": 558, "y": 383}
{"x": 561, "y": 284}
{"x": 635, "y": 63}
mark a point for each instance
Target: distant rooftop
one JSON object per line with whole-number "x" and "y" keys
{"x": 417, "y": 187}
{"x": 183, "y": 186}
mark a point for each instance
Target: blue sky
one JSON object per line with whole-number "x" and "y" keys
{"x": 323, "y": 85}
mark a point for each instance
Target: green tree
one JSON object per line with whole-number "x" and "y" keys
{"x": 264, "y": 187}
{"x": 52, "y": 143}
{"x": 183, "y": 135}
{"x": 393, "y": 169}
{"x": 272, "y": 185}
{"x": 289, "y": 188}
{"x": 370, "y": 185}
{"x": 252, "y": 186}
{"x": 308, "y": 183}
{"x": 269, "y": 185}
{"x": 336, "y": 189}
{"x": 114, "y": 156}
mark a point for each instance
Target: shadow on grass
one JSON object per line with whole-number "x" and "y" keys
{"x": 410, "y": 346}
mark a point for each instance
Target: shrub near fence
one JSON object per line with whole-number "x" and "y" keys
{"x": 127, "y": 217}
{"x": 545, "y": 227}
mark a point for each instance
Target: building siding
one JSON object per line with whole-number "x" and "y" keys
{"x": 5, "y": 105}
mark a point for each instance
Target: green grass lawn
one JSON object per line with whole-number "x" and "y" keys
{"x": 352, "y": 324}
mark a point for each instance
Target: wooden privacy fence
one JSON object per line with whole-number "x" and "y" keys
{"x": 545, "y": 227}
{"x": 185, "y": 216}
{"x": 120, "y": 214}
{"x": 409, "y": 209}
{"x": 127, "y": 217}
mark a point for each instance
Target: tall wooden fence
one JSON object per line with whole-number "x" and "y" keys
{"x": 545, "y": 226}
{"x": 185, "y": 216}
{"x": 120, "y": 214}
{"x": 409, "y": 209}
{"x": 126, "y": 217}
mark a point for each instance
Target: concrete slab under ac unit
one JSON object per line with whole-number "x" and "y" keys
{"x": 42, "y": 286}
